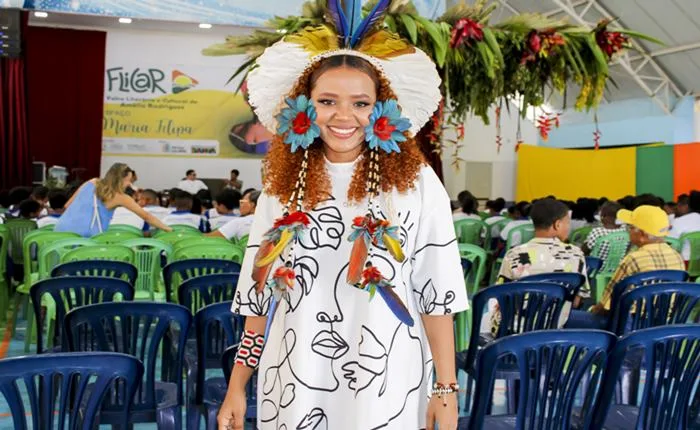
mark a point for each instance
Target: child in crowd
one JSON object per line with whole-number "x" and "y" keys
{"x": 469, "y": 207}
{"x": 226, "y": 207}
{"x": 237, "y": 227}
{"x": 182, "y": 201}
{"x": 57, "y": 200}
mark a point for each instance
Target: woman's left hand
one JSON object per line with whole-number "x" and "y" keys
{"x": 444, "y": 416}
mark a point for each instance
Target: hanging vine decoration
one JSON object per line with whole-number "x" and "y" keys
{"x": 597, "y": 133}
{"x": 499, "y": 138}
{"x": 518, "y": 136}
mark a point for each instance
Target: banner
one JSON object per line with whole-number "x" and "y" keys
{"x": 153, "y": 107}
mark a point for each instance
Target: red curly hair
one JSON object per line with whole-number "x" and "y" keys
{"x": 281, "y": 166}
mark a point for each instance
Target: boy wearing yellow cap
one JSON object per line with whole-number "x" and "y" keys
{"x": 648, "y": 225}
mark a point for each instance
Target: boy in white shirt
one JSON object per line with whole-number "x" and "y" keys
{"x": 240, "y": 226}
{"x": 687, "y": 223}
{"x": 227, "y": 201}
{"x": 57, "y": 199}
{"x": 182, "y": 215}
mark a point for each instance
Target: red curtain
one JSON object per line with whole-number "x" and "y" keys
{"x": 15, "y": 162}
{"x": 65, "y": 82}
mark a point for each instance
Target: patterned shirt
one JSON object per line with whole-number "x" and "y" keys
{"x": 652, "y": 256}
{"x": 543, "y": 255}
{"x": 596, "y": 234}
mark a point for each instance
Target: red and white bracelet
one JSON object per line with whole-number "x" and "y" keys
{"x": 250, "y": 349}
{"x": 442, "y": 390}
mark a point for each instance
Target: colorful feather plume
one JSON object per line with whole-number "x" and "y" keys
{"x": 373, "y": 18}
{"x": 363, "y": 230}
{"x": 373, "y": 282}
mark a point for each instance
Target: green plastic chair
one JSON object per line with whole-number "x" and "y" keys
{"x": 199, "y": 240}
{"x": 578, "y": 236}
{"x": 477, "y": 256}
{"x": 179, "y": 228}
{"x": 674, "y": 243}
{"x": 115, "y": 237}
{"x": 100, "y": 252}
{"x": 525, "y": 232}
{"x": 218, "y": 251}
{"x": 243, "y": 243}
{"x": 18, "y": 228}
{"x": 618, "y": 244}
{"x": 693, "y": 239}
{"x": 472, "y": 231}
{"x": 175, "y": 236}
{"x": 4, "y": 285}
{"x": 33, "y": 242}
{"x": 483, "y": 215}
{"x": 48, "y": 227}
{"x": 125, "y": 229}
{"x": 148, "y": 254}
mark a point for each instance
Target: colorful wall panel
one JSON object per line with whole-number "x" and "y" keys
{"x": 655, "y": 170}
{"x": 686, "y": 168}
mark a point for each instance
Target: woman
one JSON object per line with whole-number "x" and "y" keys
{"x": 347, "y": 189}
{"x": 90, "y": 209}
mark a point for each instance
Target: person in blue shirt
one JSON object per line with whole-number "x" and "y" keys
{"x": 89, "y": 211}
{"x": 183, "y": 214}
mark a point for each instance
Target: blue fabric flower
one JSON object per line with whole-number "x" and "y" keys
{"x": 386, "y": 126}
{"x": 298, "y": 122}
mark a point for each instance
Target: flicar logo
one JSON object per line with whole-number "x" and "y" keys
{"x": 182, "y": 82}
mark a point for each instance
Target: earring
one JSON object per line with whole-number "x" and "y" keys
{"x": 297, "y": 121}
{"x": 386, "y": 127}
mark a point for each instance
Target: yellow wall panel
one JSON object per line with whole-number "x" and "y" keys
{"x": 572, "y": 173}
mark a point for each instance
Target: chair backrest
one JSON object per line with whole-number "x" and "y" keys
{"x": 618, "y": 243}
{"x": 45, "y": 389}
{"x": 125, "y": 228}
{"x": 519, "y": 235}
{"x": 150, "y": 255}
{"x": 551, "y": 365}
{"x": 224, "y": 251}
{"x": 593, "y": 265}
{"x": 138, "y": 329}
{"x": 572, "y": 281}
{"x": 579, "y": 235}
{"x": 175, "y": 236}
{"x": 97, "y": 268}
{"x": 524, "y": 307}
{"x": 655, "y": 305}
{"x": 33, "y": 242}
{"x": 201, "y": 291}
{"x": 17, "y": 229}
{"x": 692, "y": 240}
{"x": 192, "y": 240}
{"x": 100, "y": 252}
{"x": 243, "y": 242}
{"x": 472, "y": 231}
{"x": 70, "y": 293}
{"x": 674, "y": 243}
{"x": 179, "y": 271}
{"x": 4, "y": 245}
{"x": 644, "y": 278}
{"x": 216, "y": 328}
{"x": 51, "y": 255}
{"x": 670, "y": 358}
{"x": 477, "y": 255}
{"x": 115, "y": 237}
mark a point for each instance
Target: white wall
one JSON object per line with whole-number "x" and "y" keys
{"x": 479, "y": 145}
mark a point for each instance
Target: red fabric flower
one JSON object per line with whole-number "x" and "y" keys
{"x": 371, "y": 275}
{"x": 292, "y": 218}
{"x": 301, "y": 123}
{"x": 383, "y": 128}
{"x": 466, "y": 30}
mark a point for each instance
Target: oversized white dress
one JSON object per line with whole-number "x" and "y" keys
{"x": 333, "y": 358}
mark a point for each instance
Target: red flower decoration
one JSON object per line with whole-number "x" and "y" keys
{"x": 293, "y": 218}
{"x": 301, "y": 123}
{"x": 464, "y": 31}
{"x": 383, "y": 128}
{"x": 371, "y": 275}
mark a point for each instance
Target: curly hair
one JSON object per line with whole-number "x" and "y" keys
{"x": 281, "y": 166}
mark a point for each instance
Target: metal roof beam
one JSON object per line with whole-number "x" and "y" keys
{"x": 625, "y": 60}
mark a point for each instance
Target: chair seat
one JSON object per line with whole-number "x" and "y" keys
{"x": 166, "y": 397}
{"x": 24, "y": 288}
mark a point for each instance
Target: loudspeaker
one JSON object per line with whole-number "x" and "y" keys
{"x": 10, "y": 33}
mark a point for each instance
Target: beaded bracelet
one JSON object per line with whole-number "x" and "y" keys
{"x": 442, "y": 390}
{"x": 250, "y": 349}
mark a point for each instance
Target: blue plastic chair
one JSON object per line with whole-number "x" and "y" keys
{"x": 572, "y": 281}
{"x": 68, "y": 293}
{"x": 138, "y": 329}
{"x": 524, "y": 307}
{"x": 670, "y": 356}
{"x": 97, "y": 268}
{"x": 195, "y": 293}
{"x": 645, "y": 278}
{"x": 179, "y": 271}
{"x": 593, "y": 266}
{"x": 655, "y": 305}
{"x": 55, "y": 383}
{"x": 217, "y": 329}
{"x": 551, "y": 365}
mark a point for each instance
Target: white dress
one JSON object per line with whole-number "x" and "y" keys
{"x": 336, "y": 360}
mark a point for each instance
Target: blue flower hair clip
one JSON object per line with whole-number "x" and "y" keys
{"x": 298, "y": 122}
{"x": 386, "y": 126}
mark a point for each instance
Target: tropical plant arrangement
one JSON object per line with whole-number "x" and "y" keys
{"x": 525, "y": 58}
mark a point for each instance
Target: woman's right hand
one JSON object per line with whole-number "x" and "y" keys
{"x": 232, "y": 411}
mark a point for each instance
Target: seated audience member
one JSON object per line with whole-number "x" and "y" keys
{"x": 191, "y": 184}
{"x": 608, "y": 217}
{"x": 682, "y": 205}
{"x": 494, "y": 208}
{"x": 627, "y": 202}
{"x": 687, "y": 223}
{"x": 227, "y": 203}
{"x": 670, "y": 208}
{"x": 647, "y": 199}
{"x": 17, "y": 196}
{"x": 583, "y": 213}
{"x": 234, "y": 183}
{"x": 123, "y": 216}
{"x": 182, "y": 215}
{"x": 41, "y": 195}
{"x": 520, "y": 216}
{"x": 469, "y": 206}
{"x": 150, "y": 202}
{"x": 648, "y": 225}
{"x": 57, "y": 200}
{"x": 29, "y": 209}
{"x": 240, "y": 226}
